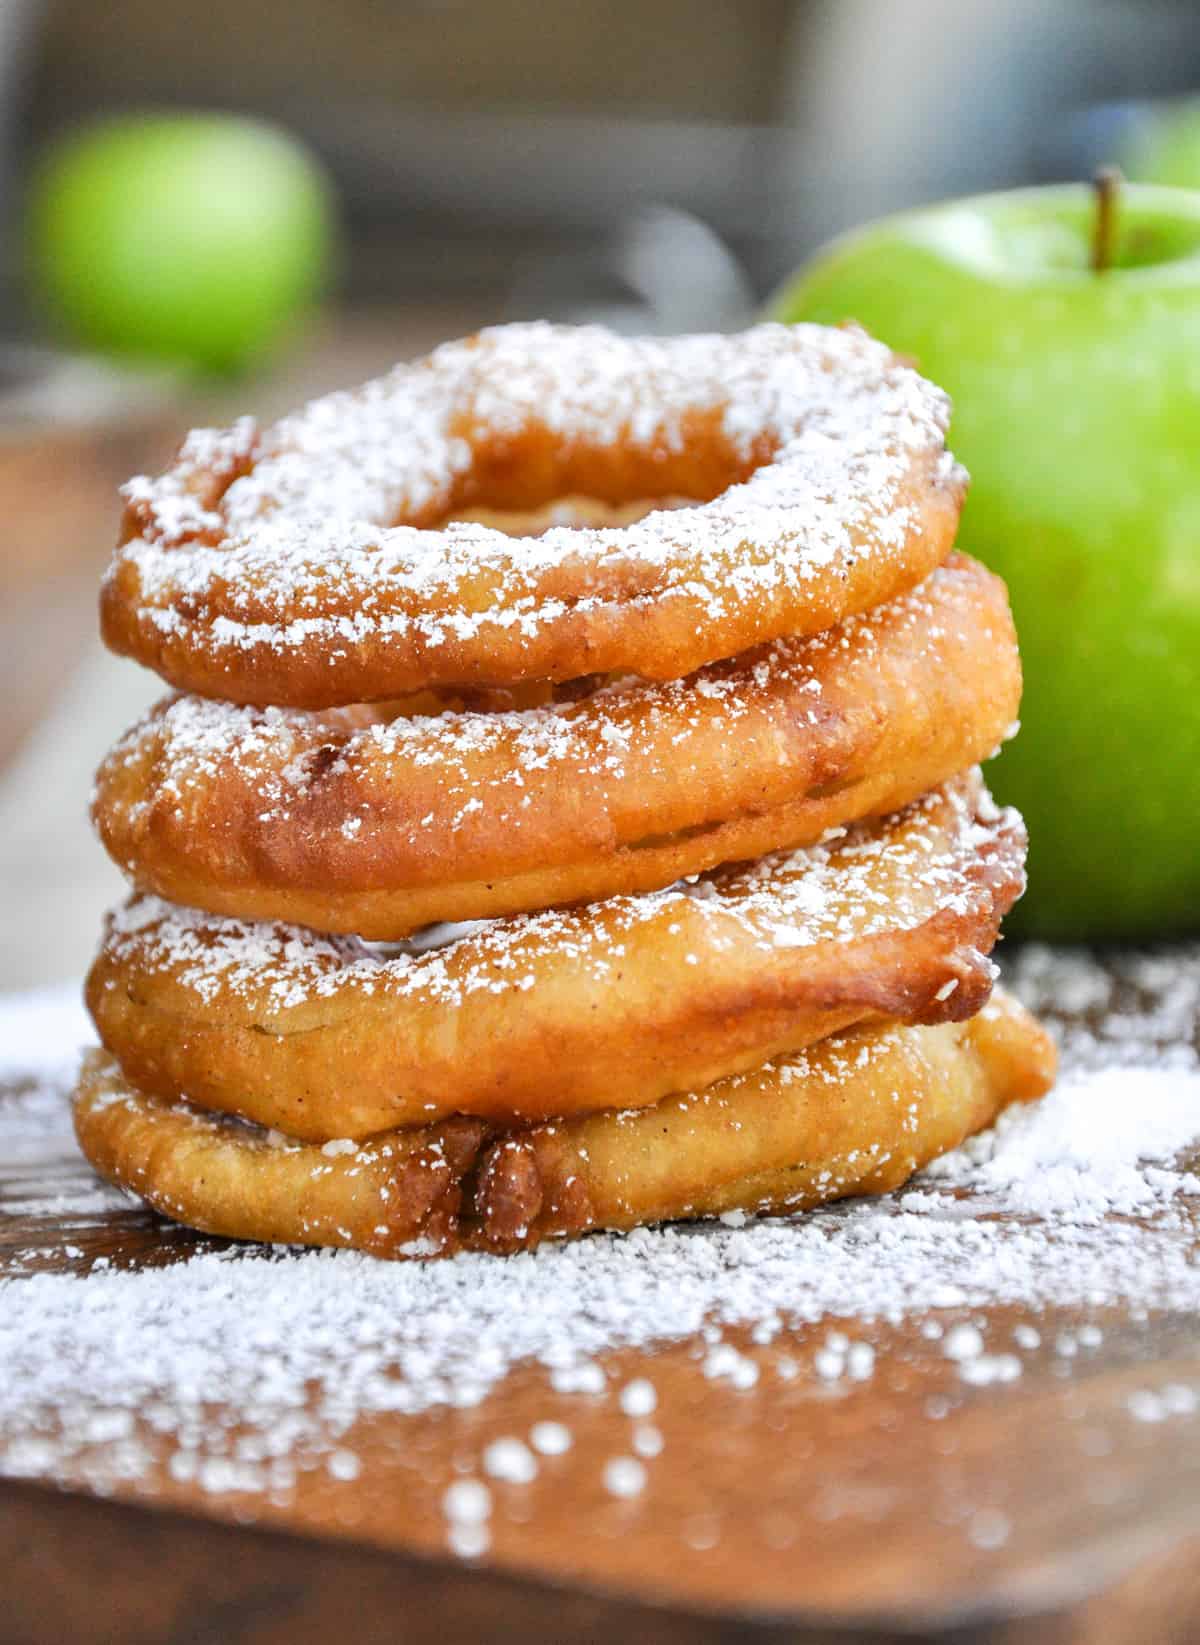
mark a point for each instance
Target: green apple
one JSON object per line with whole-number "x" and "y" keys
{"x": 197, "y": 238}
{"x": 1077, "y": 411}
{"x": 1166, "y": 146}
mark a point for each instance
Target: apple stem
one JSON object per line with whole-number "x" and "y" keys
{"x": 1106, "y": 186}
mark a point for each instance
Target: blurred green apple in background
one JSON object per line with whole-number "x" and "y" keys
{"x": 1165, "y": 146}
{"x": 194, "y": 238}
{"x": 1077, "y": 410}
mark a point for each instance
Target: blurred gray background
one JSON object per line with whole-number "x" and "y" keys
{"x": 480, "y": 142}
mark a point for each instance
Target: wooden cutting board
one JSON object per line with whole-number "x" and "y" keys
{"x": 910, "y": 1504}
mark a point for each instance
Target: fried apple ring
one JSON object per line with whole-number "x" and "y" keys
{"x": 309, "y": 564}
{"x": 349, "y": 821}
{"x": 518, "y": 1019}
{"x": 855, "y": 1114}
{"x": 397, "y": 1196}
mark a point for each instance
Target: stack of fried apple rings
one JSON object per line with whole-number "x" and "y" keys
{"x": 568, "y": 815}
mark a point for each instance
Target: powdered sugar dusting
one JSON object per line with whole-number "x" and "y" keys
{"x": 303, "y": 548}
{"x": 1083, "y": 1152}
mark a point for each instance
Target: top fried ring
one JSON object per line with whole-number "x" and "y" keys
{"x": 304, "y": 565}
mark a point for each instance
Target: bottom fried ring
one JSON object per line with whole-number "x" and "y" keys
{"x": 858, "y": 1113}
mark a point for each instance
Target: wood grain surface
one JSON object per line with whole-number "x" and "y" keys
{"x": 908, "y": 1505}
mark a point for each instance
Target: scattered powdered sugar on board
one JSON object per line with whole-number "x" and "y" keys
{"x": 1088, "y": 1200}
{"x": 1087, "y": 1151}
{"x": 1135, "y": 1009}
{"x": 41, "y": 1032}
{"x": 40, "y": 1037}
